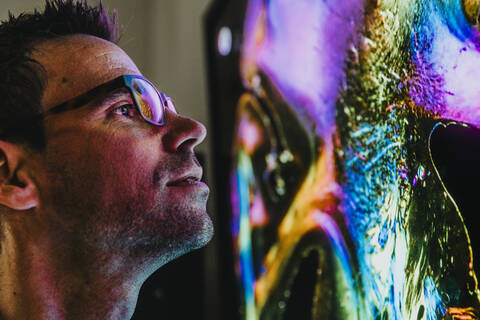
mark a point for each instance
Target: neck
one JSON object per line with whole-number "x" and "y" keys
{"x": 39, "y": 280}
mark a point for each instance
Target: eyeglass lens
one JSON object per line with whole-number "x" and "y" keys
{"x": 149, "y": 101}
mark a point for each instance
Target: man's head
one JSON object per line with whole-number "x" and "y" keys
{"x": 96, "y": 176}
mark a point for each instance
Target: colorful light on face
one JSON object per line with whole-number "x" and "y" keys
{"x": 387, "y": 239}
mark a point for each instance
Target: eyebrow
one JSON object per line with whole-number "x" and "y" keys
{"x": 89, "y": 97}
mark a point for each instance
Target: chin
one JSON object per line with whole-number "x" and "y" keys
{"x": 202, "y": 233}
{"x": 154, "y": 250}
{"x": 194, "y": 229}
{"x": 195, "y": 239}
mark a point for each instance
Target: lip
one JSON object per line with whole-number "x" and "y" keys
{"x": 186, "y": 183}
{"x": 189, "y": 177}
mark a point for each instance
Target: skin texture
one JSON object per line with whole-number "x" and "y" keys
{"x": 88, "y": 219}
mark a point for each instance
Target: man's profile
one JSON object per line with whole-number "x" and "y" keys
{"x": 99, "y": 184}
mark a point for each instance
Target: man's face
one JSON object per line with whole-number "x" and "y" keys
{"x": 108, "y": 178}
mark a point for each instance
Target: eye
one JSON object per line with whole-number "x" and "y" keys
{"x": 126, "y": 110}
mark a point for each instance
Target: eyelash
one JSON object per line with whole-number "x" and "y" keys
{"x": 128, "y": 106}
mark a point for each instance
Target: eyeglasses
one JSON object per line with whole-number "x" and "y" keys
{"x": 150, "y": 102}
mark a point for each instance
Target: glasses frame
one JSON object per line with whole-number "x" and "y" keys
{"x": 119, "y": 82}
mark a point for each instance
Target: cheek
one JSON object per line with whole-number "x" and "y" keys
{"x": 99, "y": 170}
{"x": 125, "y": 169}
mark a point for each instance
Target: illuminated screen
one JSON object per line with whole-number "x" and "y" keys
{"x": 347, "y": 156}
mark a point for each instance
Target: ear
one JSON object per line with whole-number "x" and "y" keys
{"x": 17, "y": 189}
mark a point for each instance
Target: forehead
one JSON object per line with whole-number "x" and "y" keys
{"x": 77, "y": 63}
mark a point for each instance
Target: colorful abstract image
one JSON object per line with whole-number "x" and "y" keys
{"x": 341, "y": 205}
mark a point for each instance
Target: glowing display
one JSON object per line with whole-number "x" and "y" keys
{"x": 339, "y": 208}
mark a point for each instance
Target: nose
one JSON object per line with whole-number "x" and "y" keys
{"x": 183, "y": 133}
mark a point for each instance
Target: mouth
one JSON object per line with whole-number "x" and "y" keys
{"x": 186, "y": 181}
{"x": 189, "y": 177}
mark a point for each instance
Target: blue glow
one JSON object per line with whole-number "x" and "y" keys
{"x": 433, "y": 302}
{"x": 244, "y": 178}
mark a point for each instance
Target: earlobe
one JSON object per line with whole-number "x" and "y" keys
{"x": 19, "y": 197}
{"x": 17, "y": 189}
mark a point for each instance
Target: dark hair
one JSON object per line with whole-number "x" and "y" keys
{"x": 22, "y": 78}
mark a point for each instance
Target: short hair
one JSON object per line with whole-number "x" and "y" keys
{"x": 22, "y": 78}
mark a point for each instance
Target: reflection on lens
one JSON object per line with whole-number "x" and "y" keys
{"x": 148, "y": 101}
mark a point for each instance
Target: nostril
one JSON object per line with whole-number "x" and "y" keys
{"x": 187, "y": 144}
